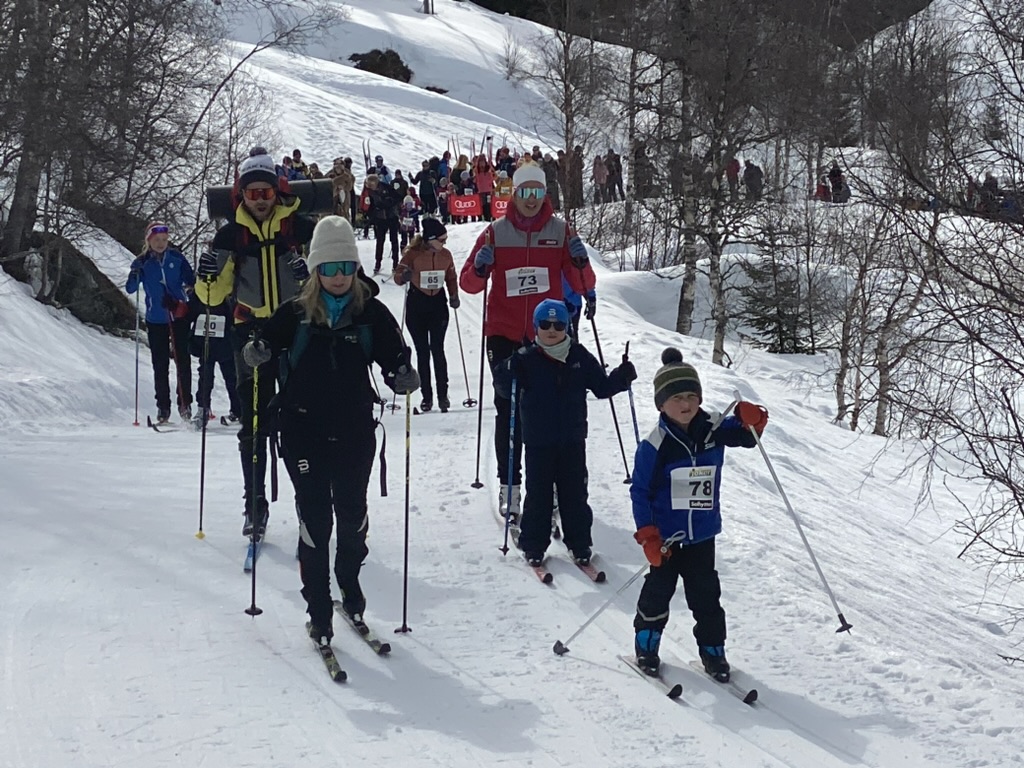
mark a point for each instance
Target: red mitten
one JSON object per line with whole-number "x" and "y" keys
{"x": 649, "y": 538}
{"x": 752, "y": 415}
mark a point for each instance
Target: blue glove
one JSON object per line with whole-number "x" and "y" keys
{"x": 207, "y": 266}
{"x": 136, "y": 268}
{"x": 578, "y": 252}
{"x": 300, "y": 270}
{"x": 484, "y": 260}
{"x": 591, "y": 309}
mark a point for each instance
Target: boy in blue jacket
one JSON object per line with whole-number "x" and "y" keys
{"x": 675, "y": 493}
{"x": 552, "y": 377}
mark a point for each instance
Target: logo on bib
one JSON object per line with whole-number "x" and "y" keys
{"x": 547, "y": 241}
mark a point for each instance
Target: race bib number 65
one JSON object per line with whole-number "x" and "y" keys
{"x": 693, "y": 487}
{"x": 432, "y": 279}
{"x": 526, "y": 281}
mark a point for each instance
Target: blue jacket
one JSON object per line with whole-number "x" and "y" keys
{"x": 553, "y": 395}
{"x": 572, "y": 299}
{"x": 677, "y": 476}
{"x": 164, "y": 278}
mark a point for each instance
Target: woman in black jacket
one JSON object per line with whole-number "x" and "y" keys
{"x": 327, "y": 337}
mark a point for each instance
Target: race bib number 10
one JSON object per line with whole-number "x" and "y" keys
{"x": 213, "y": 326}
{"x": 432, "y": 279}
{"x": 526, "y": 281}
{"x": 693, "y": 487}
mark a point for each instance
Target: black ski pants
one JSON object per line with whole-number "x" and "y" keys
{"x": 563, "y": 466}
{"x": 427, "y": 318}
{"x": 255, "y": 487}
{"x": 695, "y": 565}
{"x": 222, "y": 355}
{"x": 389, "y": 228}
{"x": 500, "y": 349}
{"x": 165, "y": 340}
{"x": 330, "y": 480}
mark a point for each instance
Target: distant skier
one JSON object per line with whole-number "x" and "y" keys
{"x": 552, "y": 377}
{"x": 429, "y": 268}
{"x": 255, "y": 261}
{"x": 677, "y": 477}
{"x": 167, "y": 278}
{"x": 753, "y": 180}
{"x": 383, "y": 213}
{"x": 524, "y": 255}
{"x": 214, "y": 351}
{"x": 328, "y": 336}
{"x": 380, "y": 170}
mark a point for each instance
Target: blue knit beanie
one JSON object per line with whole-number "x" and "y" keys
{"x": 551, "y": 309}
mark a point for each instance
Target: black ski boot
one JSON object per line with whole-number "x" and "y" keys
{"x": 262, "y": 514}
{"x": 443, "y": 403}
{"x": 163, "y": 415}
{"x": 320, "y": 632}
{"x": 427, "y": 404}
{"x": 715, "y": 664}
{"x": 582, "y": 556}
{"x": 646, "y": 647}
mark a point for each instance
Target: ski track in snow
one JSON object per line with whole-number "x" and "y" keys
{"x": 125, "y": 641}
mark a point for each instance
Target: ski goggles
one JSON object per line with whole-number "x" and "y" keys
{"x": 526, "y": 193}
{"x": 332, "y": 268}
{"x": 547, "y": 325}
{"x": 264, "y": 193}
{"x": 159, "y": 230}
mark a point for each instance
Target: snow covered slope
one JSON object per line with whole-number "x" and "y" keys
{"x": 125, "y": 642}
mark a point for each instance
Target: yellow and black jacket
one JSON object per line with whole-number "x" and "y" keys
{"x": 252, "y": 258}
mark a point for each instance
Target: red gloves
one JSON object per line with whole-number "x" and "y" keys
{"x": 649, "y": 538}
{"x": 752, "y": 415}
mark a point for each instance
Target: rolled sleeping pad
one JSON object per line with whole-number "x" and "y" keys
{"x": 315, "y": 196}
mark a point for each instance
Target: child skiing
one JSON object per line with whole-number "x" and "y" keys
{"x": 675, "y": 493}
{"x": 409, "y": 220}
{"x": 551, "y": 379}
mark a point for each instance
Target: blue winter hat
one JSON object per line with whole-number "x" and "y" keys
{"x": 550, "y": 309}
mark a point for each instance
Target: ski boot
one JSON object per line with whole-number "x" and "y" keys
{"x": 646, "y": 647}
{"x": 262, "y": 514}
{"x": 353, "y": 603}
{"x": 232, "y": 417}
{"x": 186, "y": 413}
{"x": 320, "y": 632}
{"x": 503, "y": 499}
{"x": 582, "y": 556}
{"x": 163, "y": 415}
{"x": 715, "y": 664}
{"x": 443, "y": 403}
{"x": 427, "y": 404}
{"x": 534, "y": 559}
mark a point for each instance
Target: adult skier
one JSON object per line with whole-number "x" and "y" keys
{"x": 524, "y": 256}
{"x": 383, "y": 213}
{"x": 167, "y": 278}
{"x": 328, "y": 337}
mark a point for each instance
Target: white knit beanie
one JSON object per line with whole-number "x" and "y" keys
{"x": 333, "y": 240}
{"x": 529, "y": 172}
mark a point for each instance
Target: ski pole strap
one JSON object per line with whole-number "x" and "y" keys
{"x": 383, "y": 459}
{"x": 273, "y": 467}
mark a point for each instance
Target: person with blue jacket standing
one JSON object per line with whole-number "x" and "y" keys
{"x": 167, "y": 278}
{"x": 552, "y": 377}
{"x": 677, "y": 477}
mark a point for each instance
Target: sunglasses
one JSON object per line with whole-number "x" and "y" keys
{"x": 159, "y": 231}
{"x": 547, "y": 325}
{"x": 526, "y": 193}
{"x": 265, "y": 193}
{"x": 331, "y": 268}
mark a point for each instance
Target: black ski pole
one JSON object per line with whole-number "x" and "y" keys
{"x": 138, "y": 290}
{"x": 611, "y": 402}
{"x": 469, "y": 402}
{"x": 632, "y": 404}
{"x": 480, "y": 399}
{"x": 252, "y": 610}
{"x": 203, "y": 373}
{"x": 511, "y": 460}
{"x": 405, "y": 306}
{"x": 405, "y": 565}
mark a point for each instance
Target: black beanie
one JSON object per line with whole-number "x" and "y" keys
{"x": 675, "y": 377}
{"x": 433, "y": 229}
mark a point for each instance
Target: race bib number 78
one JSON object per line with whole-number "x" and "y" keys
{"x": 693, "y": 487}
{"x": 526, "y": 281}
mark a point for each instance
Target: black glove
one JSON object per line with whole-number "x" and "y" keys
{"x": 407, "y": 381}
{"x": 300, "y": 270}
{"x": 591, "y": 308}
{"x": 627, "y": 372}
{"x": 453, "y": 301}
{"x": 402, "y": 274}
{"x": 207, "y": 266}
{"x": 256, "y": 353}
{"x": 136, "y": 268}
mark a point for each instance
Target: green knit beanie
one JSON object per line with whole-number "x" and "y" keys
{"x": 675, "y": 377}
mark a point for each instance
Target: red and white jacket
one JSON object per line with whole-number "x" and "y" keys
{"x": 530, "y": 257}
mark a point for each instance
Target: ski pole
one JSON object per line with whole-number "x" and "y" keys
{"x": 252, "y": 610}
{"x": 511, "y": 459}
{"x": 405, "y": 566}
{"x": 138, "y": 290}
{"x": 204, "y": 371}
{"x": 611, "y": 402}
{"x": 469, "y": 402}
{"x": 561, "y": 648}
{"x": 844, "y": 625}
{"x": 480, "y": 400}
{"x": 405, "y": 307}
{"x": 632, "y": 404}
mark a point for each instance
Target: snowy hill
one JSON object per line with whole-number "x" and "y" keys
{"x": 113, "y": 609}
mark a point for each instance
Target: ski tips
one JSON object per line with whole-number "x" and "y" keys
{"x": 751, "y": 696}
{"x": 200, "y": 535}
{"x": 560, "y": 649}
{"x": 675, "y": 692}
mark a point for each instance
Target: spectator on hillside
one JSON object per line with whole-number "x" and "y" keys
{"x": 380, "y": 170}
{"x": 614, "y": 164}
{"x": 483, "y": 179}
{"x": 353, "y": 201}
{"x": 464, "y": 186}
{"x": 503, "y": 185}
{"x": 400, "y": 184}
{"x": 314, "y": 171}
{"x": 537, "y": 155}
{"x": 732, "y": 175}
{"x": 342, "y": 183}
{"x": 455, "y": 176}
{"x": 835, "y": 173}
{"x": 504, "y": 162}
{"x": 443, "y": 193}
{"x": 642, "y": 171}
{"x": 576, "y": 177}
{"x": 550, "y": 167}
{"x": 990, "y": 195}
{"x": 444, "y": 167}
{"x": 299, "y": 167}
{"x": 823, "y": 192}
{"x": 287, "y": 171}
{"x": 599, "y": 175}
{"x": 753, "y": 180}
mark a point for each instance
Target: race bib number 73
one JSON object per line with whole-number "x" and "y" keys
{"x": 526, "y": 281}
{"x": 693, "y": 487}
